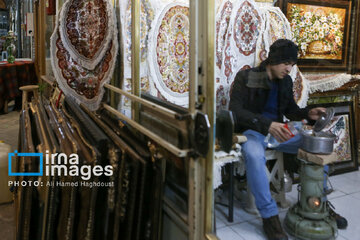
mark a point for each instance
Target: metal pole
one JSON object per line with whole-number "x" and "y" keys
{"x": 156, "y": 107}
{"x": 208, "y": 7}
{"x": 135, "y": 56}
{"x": 165, "y": 144}
{"x": 194, "y": 46}
{"x": 19, "y": 41}
{"x": 202, "y": 74}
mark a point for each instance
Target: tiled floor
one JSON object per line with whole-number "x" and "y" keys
{"x": 345, "y": 198}
{"x": 9, "y": 126}
{"x": 7, "y": 221}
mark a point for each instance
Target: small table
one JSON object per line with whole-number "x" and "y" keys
{"x": 12, "y": 77}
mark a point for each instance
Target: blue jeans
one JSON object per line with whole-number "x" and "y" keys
{"x": 253, "y": 151}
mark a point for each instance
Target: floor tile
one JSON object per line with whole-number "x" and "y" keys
{"x": 346, "y": 194}
{"x": 221, "y": 213}
{"x": 7, "y": 212}
{"x": 253, "y": 229}
{"x": 345, "y": 184}
{"x": 220, "y": 223}
{"x": 356, "y": 195}
{"x": 7, "y": 221}
{"x": 353, "y": 175}
{"x": 294, "y": 192}
{"x": 349, "y": 207}
{"x": 340, "y": 237}
{"x": 250, "y": 230}
{"x": 339, "y": 176}
{"x": 9, "y": 125}
{"x": 240, "y": 215}
{"x": 227, "y": 233}
{"x": 336, "y": 194}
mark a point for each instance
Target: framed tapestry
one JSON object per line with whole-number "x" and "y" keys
{"x": 321, "y": 30}
{"x": 356, "y": 54}
{"x": 343, "y": 127}
{"x": 356, "y": 58}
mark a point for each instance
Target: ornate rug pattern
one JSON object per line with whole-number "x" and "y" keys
{"x": 222, "y": 25}
{"x": 169, "y": 53}
{"x": 327, "y": 82}
{"x": 74, "y": 77}
{"x": 147, "y": 15}
{"x": 86, "y": 29}
{"x": 229, "y": 60}
{"x": 300, "y": 87}
{"x": 146, "y": 18}
{"x": 339, "y": 126}
{"x": 278, "y": 25}
{"x": 245, "y": 27}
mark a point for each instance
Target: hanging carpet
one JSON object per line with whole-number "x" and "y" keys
{"x": 86, "y": 29}
{"x": 300, "y": 87}
{"x": 276, "y": 27}
{"x": 222, "y": 26}
{"x": 84, "y": 80}
{"x": 169, "y": 53}
{"x": 147, "y": 14}
{"x": 245, "y": 26}
{"x": 327, "y": 82}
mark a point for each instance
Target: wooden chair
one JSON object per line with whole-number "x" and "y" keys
{"x": 275, "y": 175}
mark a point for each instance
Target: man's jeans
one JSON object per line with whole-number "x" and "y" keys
{"x": 253, "y": 151}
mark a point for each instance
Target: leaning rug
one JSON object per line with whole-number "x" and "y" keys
{"x": 81, "y": 70}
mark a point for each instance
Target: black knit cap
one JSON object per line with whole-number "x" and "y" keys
{"x": 281, "y": 51}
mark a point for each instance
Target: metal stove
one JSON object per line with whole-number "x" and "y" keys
{"x": 309, "y": 218}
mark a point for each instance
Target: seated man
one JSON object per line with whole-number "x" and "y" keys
{"x": 259, "y": 100}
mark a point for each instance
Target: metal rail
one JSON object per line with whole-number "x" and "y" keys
{"x": 48, "y": 79}
{"x": 135, "y": 57}
{"x": 147, "y": 103}
{"x": 171, "y": 148}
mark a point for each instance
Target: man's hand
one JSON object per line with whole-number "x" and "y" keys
{"x": 279, "y": 131}
{"x": 315, "y": 113}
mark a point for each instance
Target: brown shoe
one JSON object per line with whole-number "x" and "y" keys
{"x": 273, "y": 229}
